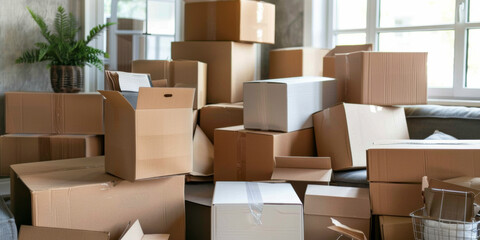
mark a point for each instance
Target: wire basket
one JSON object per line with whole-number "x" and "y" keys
{"x": 427, "y": 228}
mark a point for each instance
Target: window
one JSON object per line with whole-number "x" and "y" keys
{"x": 449, "y": 30}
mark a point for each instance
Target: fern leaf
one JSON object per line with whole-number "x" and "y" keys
{"x": 96, "y": 30}
{"x": 41, "y": 23}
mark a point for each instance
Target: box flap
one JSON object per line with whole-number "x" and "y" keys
{"x": 271, "y": 193}
{"x": 464, "y": 184}
{"x": 58, "y": 165}
{"x": 200, "y": 193}
{"x": 116, "y": 99}
{"x": 349, "y": 49}
{"x": 347, "y": 231}
{"x": 134, "y": 232}
{"x": 291, "y": 80}
{"x": 312, "y": 169}
{"x": 425, "y": 144}
{"x": 202, "y": 154}
{"x": 46, "y": 233}
{"x": 161, "y": 98}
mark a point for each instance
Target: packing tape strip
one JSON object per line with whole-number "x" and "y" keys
{"x": 255, "y": 201}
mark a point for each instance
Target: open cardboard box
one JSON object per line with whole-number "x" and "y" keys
{"x": 329, "y": 59}
{"x": 134, "y": 232}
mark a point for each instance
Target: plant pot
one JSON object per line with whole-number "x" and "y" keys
{"x": 66, "y": 79}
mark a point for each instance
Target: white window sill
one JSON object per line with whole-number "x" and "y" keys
{"x": 454, "y": 102}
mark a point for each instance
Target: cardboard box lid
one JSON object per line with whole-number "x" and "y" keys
{"x": 200, "y": 193}
{"x": 270, "y": 193}
{"x": 312, "y": 169}
{"x": 347, "y": 231}
{"x": 134, "y": 232}
{"x": 349, "y": 49}
{"x": 46, "y": 233}
{"x": 425, "y": 144}
{"x": 337, "y": 201}
{"x": 291, "y": 80}
{"x": 153, "y": 98}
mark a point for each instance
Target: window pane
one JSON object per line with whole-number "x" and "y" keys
{"x": 161, "y": 17}
{"x": 131, "y": 9}
{"x": 395, "y": 13}
{"x": 351, "y": 14}
{"x": 473, "y": 59}
{"x": 350, "y": 39}
{"x": 438, "y": 44}
{"x": 474, "y": 12}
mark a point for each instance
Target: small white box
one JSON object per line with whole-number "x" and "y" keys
{"x": 286, "y": 104}
{"x": 256, "y": 211}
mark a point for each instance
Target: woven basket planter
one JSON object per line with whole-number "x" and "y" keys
{"x": 66, "y": 79}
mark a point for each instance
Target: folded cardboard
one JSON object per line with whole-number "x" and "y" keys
{"x": 408, "y": 161}
{"x": 78, "y": 194}
{"x": 202, "y": 154}
{"x": 198, "y": 210}
{"x": 135, "y": 232}
{"x": 396, "y": 228}
{"x": 395, "y": 199}
{"x": 329, "y": 59}
{"x": 24, "y": 148}
{"x": 256, "y": 211}
{"x": 347, "y": 231}
{"x": 240, "y": 21}
{"x": 126, "y": 81}
{"x": 286, "y": 104}
{"x": 382, "y": 78}
{"x": 348, "y": 205}
{"x": 47, "y": 233}
{"x": 449, "y": 205}
{"x": 250, "y": 155}
{"x": 185, "y": 73}
{"x": 344, "y": 132}
{"x": 296, "y": 62}
{"x": 219, "y": 116}
{"x": 55, "y": 113}
{"x": 154, "y": 139}
{"x": 229, "y": 65}
{"x": 301, "y": 171}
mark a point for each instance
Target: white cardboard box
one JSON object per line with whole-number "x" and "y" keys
{"x": 235, "y": 205}
{"x": 286, "y": 104}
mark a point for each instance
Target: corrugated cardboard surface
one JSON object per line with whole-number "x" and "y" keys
{"x": 316, "y": 226}
{"x": 296, "y": 62}
{"x": 383, "y": 78}
{"x": 78, "y": 194}
{"x": 408, "y": 161}
{"x": 241, "y": 21}
{"x": 219, "y": 116}
{"x": 45, "y": 233}
{"x": 395, "y": 199}
{"x": 344, "y": 132}
{"x": 56, "y": 113}
{"x": 24, "y": 148}
{"x": 229, "y": 65}
{"x": 155, "y": 139}
{"x": 250, "y": 155}
{"x": 329, "y": 60}
{"x": 396, "y": 228}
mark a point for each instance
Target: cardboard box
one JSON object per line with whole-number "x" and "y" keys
{"x": 229, "y": 65}
{"x": 55, "y": 113}
{"x": 329, "y": 59}
{"x": 202, "y": 154}
{"x": 219, "y": 116}
{"x": 154, "y": 139}
{"x": 286, "y": 104}
{"x": 396, "y": 228}
{"x": 348, "y": 205}
{"x": 382, "y": 78}
{"x": 24, "y": 148}
{"x": 198, "y": 210}
{"x": 408, "y": 161}
{"x": 344, "y": 132}
{"x": 463, "y": 184}
{"x": 185, "y": 73}
{"x": 240, "y": 21}
{"x": 46, "y": 233}
{"x": 395, "y": 199}
{"x": 78, "y": 194}
{"x": 250, "y": 155}
{"x": 135, "y": 232}
{"x": 280, "y": 216}
{"x": 296, "y": 62}
{"x": 302, "y": 171}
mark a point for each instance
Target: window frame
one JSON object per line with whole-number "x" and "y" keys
{"x": 460, "y": 28}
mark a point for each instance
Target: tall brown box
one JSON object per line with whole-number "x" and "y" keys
{"x": 24, "y": 148}
{"x": 219, "y": 116}
{"x": 54, "y": 113}
{"x": 154, "y": 139}
{"x": 382, "y": 78}
{"x": 78, "y": 194}
{"x": 296, "y": 62}
{"x": 229, "y": 65}
{"x": 395, "y": 199}
{"x": 240, "y": 21}
{"x": 396, "y": 228}
{"x": 329, "y": 59}
{"x": 250, "y": 155}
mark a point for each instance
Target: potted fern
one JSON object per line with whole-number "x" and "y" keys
{"x": 66, "y": 55}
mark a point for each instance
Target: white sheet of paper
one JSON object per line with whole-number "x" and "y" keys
{"x": 132, "y": 81}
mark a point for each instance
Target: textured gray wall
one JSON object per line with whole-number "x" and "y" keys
{"x": 288, "y": 28}
{"x": 19, "y": 32}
